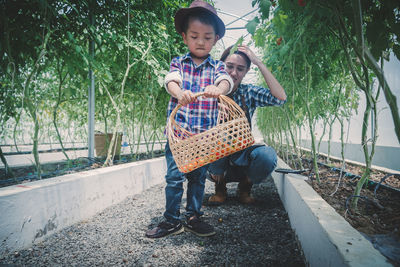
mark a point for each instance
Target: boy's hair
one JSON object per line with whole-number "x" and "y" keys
{"x": 202, "y": 11}
{"x": 227, "y": 51}
{"x": 201, "y": 16}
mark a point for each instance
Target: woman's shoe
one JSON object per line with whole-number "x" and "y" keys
{"x": 220, "y": 190}
{"x": 244, "y": 189}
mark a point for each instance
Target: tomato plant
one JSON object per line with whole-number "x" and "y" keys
{"x": 331, "y": 49}
{"x": 45, "y": 61}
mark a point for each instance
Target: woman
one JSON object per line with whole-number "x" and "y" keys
{"x": 253, "y": 164}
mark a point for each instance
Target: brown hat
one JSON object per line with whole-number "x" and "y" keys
{"x": 198, "y": 5}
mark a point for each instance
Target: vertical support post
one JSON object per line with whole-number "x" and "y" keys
{"x": 91, "y": 94}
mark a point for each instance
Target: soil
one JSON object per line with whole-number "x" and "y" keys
{"x": 378, "y": 213}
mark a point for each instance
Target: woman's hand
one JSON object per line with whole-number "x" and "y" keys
{"x": 273, "y": 84}
{"x": 253, "y": 58}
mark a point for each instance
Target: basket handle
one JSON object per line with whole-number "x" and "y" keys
{"x": 221, "y": 98}
{"x": 175, "y": 110}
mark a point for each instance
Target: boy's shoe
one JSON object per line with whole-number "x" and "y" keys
{"x": 198, "y": 227}
{"x": 165, "y": 229}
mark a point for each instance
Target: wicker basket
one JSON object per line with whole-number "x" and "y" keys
{"x": 231, "y": 134}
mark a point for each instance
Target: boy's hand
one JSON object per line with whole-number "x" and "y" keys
{"x": 185, "y": 97}
{"x": 212, "y": 91}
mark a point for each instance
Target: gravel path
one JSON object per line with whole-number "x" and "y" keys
{"x": 256, "y": 235}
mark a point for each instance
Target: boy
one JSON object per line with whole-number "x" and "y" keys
{"x": 194, "y": 72}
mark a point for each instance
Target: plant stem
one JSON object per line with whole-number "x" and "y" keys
{"x": 32, "y": 108}
{"x": 322, "y": 136}
{"x": 330, "y": 140}
{"x": 9, "y": 172}
{"x": 61, "y": 81}
{"x": 370, "y": 104}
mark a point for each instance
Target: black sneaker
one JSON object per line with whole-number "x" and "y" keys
{"x": 198, "y": 227}
{"x": 165, "y": 229}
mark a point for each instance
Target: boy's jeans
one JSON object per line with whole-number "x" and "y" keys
{"x": 257, "y": 162}
{"x": 174, "y": 189}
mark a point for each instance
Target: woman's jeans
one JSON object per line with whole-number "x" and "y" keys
{"x": 256, "y": 162}
{"x": 174, "y": 189}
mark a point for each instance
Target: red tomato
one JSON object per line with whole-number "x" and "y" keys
{"x": 190, "y": 167}
{"x": 301, "y": 2}
{"x": 184, "y": 169}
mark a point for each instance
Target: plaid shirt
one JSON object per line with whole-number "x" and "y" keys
{"x": 255, "y": 96}
{"x": 200, "y": 115}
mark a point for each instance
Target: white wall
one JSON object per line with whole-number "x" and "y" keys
{"x": 386, "y": 134}
{"x": 388, "y": 148}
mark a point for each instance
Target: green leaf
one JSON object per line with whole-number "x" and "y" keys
{"x": 120, "y": 47}
{"x": 78, "y": 49}
{"x": 284, "y": 50}
{"x": 264, "y": 8}
{"x": 69, "y": 91}
{"x": 70, "y": 36}
{"x": 108, "y": 75}
{"x": 252, "y": 25}
{"x": 283, "y": 17}
{"x": 259, "y": 37}
{"x": 234, "y": 48}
